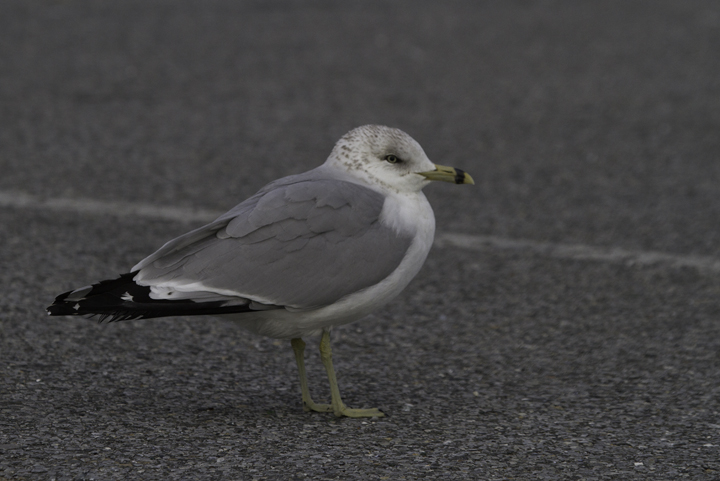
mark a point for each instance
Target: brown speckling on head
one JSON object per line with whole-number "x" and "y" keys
{"x": 362, "y": 150}
{"x": 375, "y": 138}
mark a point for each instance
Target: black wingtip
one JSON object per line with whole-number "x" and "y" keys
{"x": 122, "y": 299}
{"x": 60, "y": 310}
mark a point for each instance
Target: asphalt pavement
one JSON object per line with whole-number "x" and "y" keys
{"x": 588, "y": 124}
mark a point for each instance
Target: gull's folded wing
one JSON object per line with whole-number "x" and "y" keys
{"x": 301, "y": 242}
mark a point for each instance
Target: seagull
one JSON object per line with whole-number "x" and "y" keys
{"x": 305, "y": 253}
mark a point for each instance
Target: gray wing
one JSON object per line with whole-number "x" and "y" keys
{"x": 299, "y": 242}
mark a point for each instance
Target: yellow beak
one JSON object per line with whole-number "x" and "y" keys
{"x": 448, "y": 174}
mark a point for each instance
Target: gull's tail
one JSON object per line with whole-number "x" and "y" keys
{"x": 122, "y": 299}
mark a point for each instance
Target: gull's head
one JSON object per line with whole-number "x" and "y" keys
{"x": 390, "y": 159}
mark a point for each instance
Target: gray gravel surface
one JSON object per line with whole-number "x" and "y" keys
{"x": 594, "y": 123}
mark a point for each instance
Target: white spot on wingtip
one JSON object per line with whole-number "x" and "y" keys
{"x": 126, "y": 297}
{"x": 76, "y": 306}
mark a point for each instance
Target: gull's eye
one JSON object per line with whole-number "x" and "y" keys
{"x": 393, "y": 159}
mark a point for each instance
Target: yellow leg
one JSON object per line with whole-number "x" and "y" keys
{"x": 298, "y": 346}
{"x": 337, "y": 406}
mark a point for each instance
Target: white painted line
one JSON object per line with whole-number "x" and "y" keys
{"x": 583, "y": 252}
{"x": 447, "y": 239}
{"x": 100, "y": 207}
